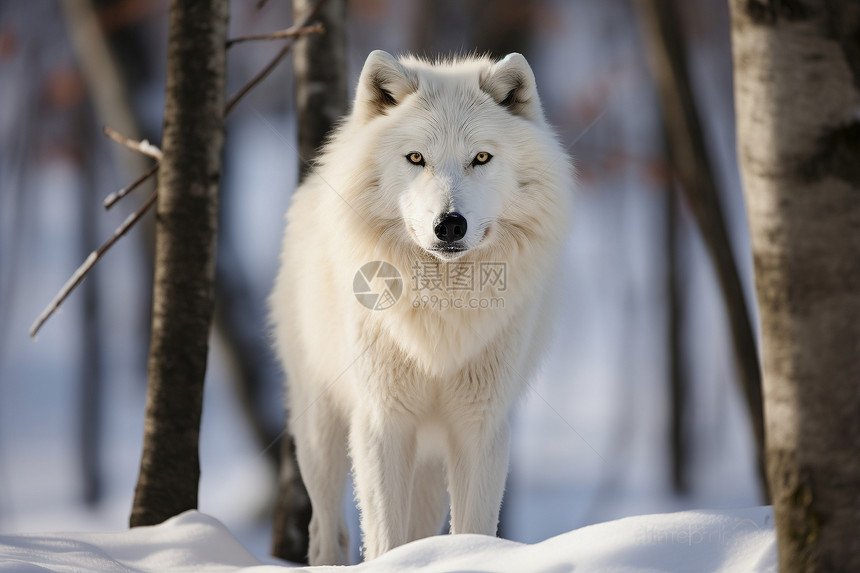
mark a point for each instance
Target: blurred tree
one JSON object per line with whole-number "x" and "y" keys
{"x": 240, "y": 323}
{"x": 103, "y": 76}
{"x": 107, "y": 90}
{"x": 123, "y": 76}
{"x": 688, "y": 156}
{"x": 184, "y": 262}
{"x": 502, "y": 26}
{"x": 797, "y": 90}
{"x": 321, "y": 99}
{"x": 678, "y": 445}
{"x": 498, "y": 27}
{"x": 322, "y": 95}
{"x": 18, "y": 140}
{"x": 91, "y": 373}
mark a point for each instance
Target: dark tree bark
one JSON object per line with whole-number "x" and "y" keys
{"x": 688, "y": 155}
{"x": 321, "y": 99}
{"x": 322, "y": 95}
{"x": 797, "y": 92}
{"x": 292, "y": 508}
{"x": 677, "y": 384}
{"x": 184, "y": 259}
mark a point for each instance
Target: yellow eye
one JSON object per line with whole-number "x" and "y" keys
{"x": 415, "y": 158}
{"x": 482, "y": 158}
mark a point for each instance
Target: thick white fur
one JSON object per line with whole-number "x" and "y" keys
{"x": 417, "y": 398}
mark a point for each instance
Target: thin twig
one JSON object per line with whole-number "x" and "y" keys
{"x": 291, "y": 32}
{"x": 275, "y": 61}
{"x": 96, "y": 255}
{"x": 142, "y": 146}
{"x": 111, "y": 199}
{"x": 88, "y": 264}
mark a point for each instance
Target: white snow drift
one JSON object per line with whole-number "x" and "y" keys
{"x": 702, "y": 541}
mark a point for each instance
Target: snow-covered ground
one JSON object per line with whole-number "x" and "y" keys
{"x": 740, "y": 541}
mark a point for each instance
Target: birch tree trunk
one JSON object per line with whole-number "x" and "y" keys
{"x": 321, "y": 99}
{"x": 797, "y": 90}
{"x": 184, "y": 259}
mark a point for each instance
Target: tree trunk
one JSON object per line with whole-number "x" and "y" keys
{"x": 103, "y": 78}
{"x": 321, "y": 99}
{"x": 688, "y": 155}
{"x": 184, "y": 259}
{"x": 91, "y": 373}
{"x": 797, "y": 90}
{"x": 678, "y": 404}
{"x": 242, "y": 328}
{"x": 292, "y": 508}
{"x": 322, "y": 96}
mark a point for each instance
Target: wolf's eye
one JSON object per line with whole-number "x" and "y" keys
{"x": 482, "y": 158}
{"x": 415, "y": 158}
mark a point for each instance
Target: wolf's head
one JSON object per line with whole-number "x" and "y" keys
{"x": 459, "y": 151}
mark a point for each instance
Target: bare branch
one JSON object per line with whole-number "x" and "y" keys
{"x": 149, "y": 149}
{"x": 111, "y": 199}
{"x": 291, "y": 32}
{"x": 274, "y": 62}
{"x": 142, "y": 146}
{"x": 90, "y": 262}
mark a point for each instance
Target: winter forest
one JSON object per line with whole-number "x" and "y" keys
{"x": 696, "y": 408}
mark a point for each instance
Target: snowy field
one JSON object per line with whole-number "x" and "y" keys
{"x": 740, "y": 541}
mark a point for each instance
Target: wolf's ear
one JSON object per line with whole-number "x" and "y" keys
{"x": 511, "y": 83}
{"x": 383, "y": 84}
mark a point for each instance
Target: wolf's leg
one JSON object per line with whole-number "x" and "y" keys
{"x": 321, "y": 442}
{"x": 477, "y": 467}
{"x": 383, "y": 455}
{"x": 429, "y": 499}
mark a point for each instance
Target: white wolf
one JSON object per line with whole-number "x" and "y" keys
{"x": 438, "y": 164}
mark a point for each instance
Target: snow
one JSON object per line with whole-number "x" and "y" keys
{"x": 740, "y": 540}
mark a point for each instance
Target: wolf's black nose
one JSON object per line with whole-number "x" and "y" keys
{"x": 451, "y": 227}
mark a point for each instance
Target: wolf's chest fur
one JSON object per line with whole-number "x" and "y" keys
{"x": 440, "y": 365}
